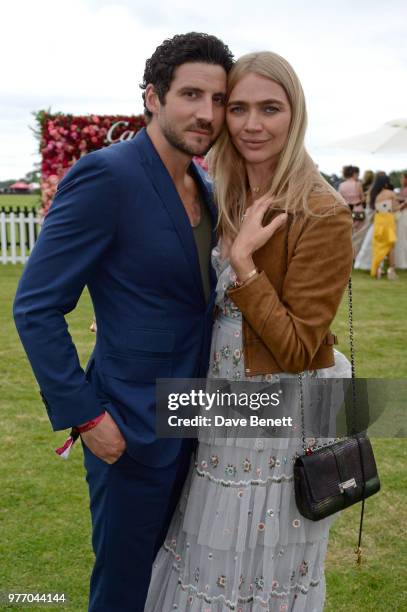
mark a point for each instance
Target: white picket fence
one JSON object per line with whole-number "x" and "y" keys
{"x": 18, "y": 233}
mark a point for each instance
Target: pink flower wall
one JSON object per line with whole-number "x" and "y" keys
{"x": 65, "y": 138}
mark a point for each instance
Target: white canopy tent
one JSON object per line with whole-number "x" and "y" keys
{"x": 389, "y": 139}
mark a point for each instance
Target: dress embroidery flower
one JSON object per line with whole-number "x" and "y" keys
{"x": 230, "y": 470}
{"x": 247, "y": 466}
{"x": 221, "y": 581}
{"x": 304, "y": 568}
{"x": 215, "y": 368}
{"x": 259, "y": 444}
{"x": 230, "y": 309}
{"x": 214, "y": 461}
{"x": 272, "y": 462}
{"x": 225, "y": 352}
{"x": 237, "y": 355}
{"x": 259, "y": 582}
{"x": 216, "y": 362}
{"x": 196, "y": 574}
{"x": 296, "y": 523}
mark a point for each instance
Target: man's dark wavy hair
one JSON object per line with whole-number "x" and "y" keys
{"x": 182, "y": 48}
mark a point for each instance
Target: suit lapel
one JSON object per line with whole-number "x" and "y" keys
{"x": 164, "y": 186}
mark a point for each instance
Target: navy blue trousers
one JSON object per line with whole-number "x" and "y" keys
{"x": 131, "y": 507}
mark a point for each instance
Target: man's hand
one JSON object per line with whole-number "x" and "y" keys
{"x": 105, "y": 440}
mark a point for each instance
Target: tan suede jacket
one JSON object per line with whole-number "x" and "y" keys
{"x": 288, "y": 308}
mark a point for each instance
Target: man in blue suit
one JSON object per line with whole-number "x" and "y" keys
{"x": 135, "y": 223}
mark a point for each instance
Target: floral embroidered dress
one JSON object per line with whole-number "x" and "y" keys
{"x": 237, "y": 541}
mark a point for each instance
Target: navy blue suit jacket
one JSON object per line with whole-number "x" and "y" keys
{"x": 118, "y": 226}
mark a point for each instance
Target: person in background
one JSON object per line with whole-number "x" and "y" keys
{"x": 385, "y": 203}
{"x": 351, "y": 188}
{"x": 363, "y": 237}
{"x": 352, "y": 192}
{"x": 367, "y": 182}
{"x": 356, "y": 173}
{"x": 361, "y": 226}
{"x": 401, "y": 244}
{"x": 403, "y": 183}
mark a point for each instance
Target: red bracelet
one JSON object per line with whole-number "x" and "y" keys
{"x": 90, "y": 424}
{"x": 65, "y": 450}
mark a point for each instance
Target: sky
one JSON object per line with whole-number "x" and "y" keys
{"x": 87, "y": 56}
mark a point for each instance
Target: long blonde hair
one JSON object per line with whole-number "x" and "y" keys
{"x": 295, "y": 176}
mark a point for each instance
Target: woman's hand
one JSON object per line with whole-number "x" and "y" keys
{"x": 253, "y": 235}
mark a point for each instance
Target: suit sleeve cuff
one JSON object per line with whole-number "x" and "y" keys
{"x": 69, "y": 410}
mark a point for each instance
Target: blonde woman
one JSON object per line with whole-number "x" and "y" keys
{"x": 237, "y": 541}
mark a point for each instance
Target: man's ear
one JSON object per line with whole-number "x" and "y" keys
{"x": 151, "y": 99}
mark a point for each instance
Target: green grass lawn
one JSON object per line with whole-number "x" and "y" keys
{"x": 44, "y": 519}
{"x": 15, "y": 200}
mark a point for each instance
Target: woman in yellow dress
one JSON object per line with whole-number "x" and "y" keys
{"x": 384, "y": 201}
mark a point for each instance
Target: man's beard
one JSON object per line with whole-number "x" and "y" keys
{"x": 176, "y": 140}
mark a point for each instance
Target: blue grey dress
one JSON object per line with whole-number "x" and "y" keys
{"x": 237, "y": 541}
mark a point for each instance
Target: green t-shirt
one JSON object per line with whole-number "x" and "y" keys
{"x": 203, "y": 234}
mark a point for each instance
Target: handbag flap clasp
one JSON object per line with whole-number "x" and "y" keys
{"x": 347, "y": 484}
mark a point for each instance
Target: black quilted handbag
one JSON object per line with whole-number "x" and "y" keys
{"x": 340, "y": 474}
